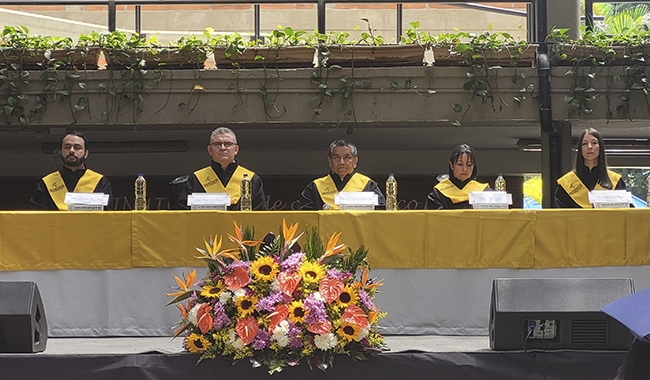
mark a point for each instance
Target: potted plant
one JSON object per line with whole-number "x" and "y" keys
{"x": 36, "y": 51}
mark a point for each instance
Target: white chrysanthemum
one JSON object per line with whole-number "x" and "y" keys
{"x": 224, "y": 297}
{"x": 238, "y": 344}
{"x": 325, "y": 341}
{"x": 280, "y": 333}
{"x": 237, "y": 293}
{"x": 232, "y": 336}
{"x": 192, "y": 315}
{"x": 364, "y": 332}
{"x": 275, "y": 285}
{"x": 284, "y": 341}
{"x": 318, "y": 297}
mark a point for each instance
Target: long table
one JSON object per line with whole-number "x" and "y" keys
{"x": 403, "y": 239}
{"x": 104, "y": 274}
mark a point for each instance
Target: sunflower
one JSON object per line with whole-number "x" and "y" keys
{"x": 264, "y": 268}
{"x": 347, "y": 297}
{"x": 196, "y": 343}
{"x": 312, "y": 272}
{"x": 246, "y": 305}
{"x": 297, "y": 312}
{"x": 213, "y": 291}
{"x": 349, "y": 331}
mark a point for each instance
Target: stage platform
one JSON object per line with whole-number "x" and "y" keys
{"x": 410, "y": 357}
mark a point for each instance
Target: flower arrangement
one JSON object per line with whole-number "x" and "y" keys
{"x": 277, "y": 304}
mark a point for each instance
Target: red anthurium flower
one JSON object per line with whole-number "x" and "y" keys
{"x": 355, "y": 315}
{"x": 247, "y": 329}
{"x": 320, "y": 327}
{"x": 289, "y": 282}
{"x": 331, "y": 288}
{"x": 280, "y": 313}
{"x": 204, "y": 318}
{"x": 237, "y": 279}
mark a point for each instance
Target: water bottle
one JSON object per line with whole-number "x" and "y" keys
{"x": 140, "y": 193}
{"x": 391, "y": 193}
{"x": 500, "y": 183}
{"x": 245, "y": 198}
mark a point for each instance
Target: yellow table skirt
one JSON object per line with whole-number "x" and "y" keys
{"x": 402, "y": 239}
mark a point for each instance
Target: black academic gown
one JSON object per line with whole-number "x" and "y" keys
{"x": 310, "y": 197}
{"x": 589, "y": 178}
{"x": 41, "y": 197}
{"x": 194, "y": 186}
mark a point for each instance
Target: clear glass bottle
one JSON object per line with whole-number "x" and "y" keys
{"x": 391, "y": 193}
{"x": 245, "y": 195}
{"x": 500, "y": 183}
{"x": 140, "y": 193}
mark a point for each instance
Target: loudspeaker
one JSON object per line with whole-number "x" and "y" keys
{"x": 557, "y": 313}
{"x": 23, "y": 326}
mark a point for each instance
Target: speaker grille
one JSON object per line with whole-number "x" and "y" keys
{"x": 589, "y": 331}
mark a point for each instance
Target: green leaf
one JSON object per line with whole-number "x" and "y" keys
{"x": 457, "y": 108}
{"x": 456, "y": 123}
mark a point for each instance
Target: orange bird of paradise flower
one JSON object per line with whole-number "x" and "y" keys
{"x": 332, "y": 248}
{"x": 364, "y": 281}
{"x": 239, "y": 239}
{"x": 213, "y": 252}
{"x": 185, "y": 283}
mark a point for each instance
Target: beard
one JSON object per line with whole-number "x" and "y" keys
{"x": 73, "y": 161}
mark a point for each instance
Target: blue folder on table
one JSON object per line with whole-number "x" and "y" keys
{"x": 633, "y": 311}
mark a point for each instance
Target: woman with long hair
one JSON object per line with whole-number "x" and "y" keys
{"x": 453, "y": 192}
{"x": 590, "y": 173}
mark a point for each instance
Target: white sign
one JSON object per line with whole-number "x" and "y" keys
{"x": 357, "y": 200}
{"x": 86, "y": 201}
{"x": 610, "y": 198}
{"x": 490, "y": 200}
{"x": 208, "y": 201}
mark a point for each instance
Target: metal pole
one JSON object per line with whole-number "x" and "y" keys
{"x": 399, "y": 22}
{"x": 589, "y": 15}
{"x": 541, "y": 20}
{"x": 321, "y": 16}
{"x": 111, "y": 16}
{"x": 258, "y": 32}
{"x": 138, "y": 19}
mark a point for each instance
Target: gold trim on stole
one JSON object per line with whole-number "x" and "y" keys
{"x": 327, "y": 188}
{"x": 577, "y": 190}
{"x": 56, "y": 186}
{"x": 449, "y": 190}
{"x": 212, "y": 184}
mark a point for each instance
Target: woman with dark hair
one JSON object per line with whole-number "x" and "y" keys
{"x": 590, "y": 173}
{"x": 453, "y": 192}
{"x": 637, "y": 363}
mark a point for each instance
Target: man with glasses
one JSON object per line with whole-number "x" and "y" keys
{"x": 74, "y": 177}
{"x": 224, "y": 175}
{"x": 342, "y": 158}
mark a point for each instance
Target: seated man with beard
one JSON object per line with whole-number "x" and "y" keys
{"x": 74, "y": 177}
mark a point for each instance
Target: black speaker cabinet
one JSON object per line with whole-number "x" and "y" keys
{"x": 23, "y": 327}
{"x": 557, "y": 313}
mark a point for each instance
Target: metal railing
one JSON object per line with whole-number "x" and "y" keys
{"x": 536, "y": 10}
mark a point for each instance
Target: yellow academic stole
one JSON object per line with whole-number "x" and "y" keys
{"x": 327, "y": 188}
{"x": 56, "y": 186}
{"x": 449, "y": 190}
{"x": 212, "y": 184}
{"x": 578, "y": 191}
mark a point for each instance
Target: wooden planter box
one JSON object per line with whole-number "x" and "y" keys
{"x": 614, "y": 56}
{"x": 365, "y": 56}
{"x": 506, "y": 57}
{"x": 35, "y": 59}
{"x": 165, "y": 59}
{"x": 270, "y": 57}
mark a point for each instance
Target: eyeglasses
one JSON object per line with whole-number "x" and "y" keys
{"x": 225, "y": 144}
